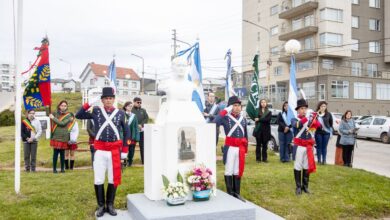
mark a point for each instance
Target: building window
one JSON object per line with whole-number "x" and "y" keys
{"x": 355, "y": 2}
{"x": 125, "y": 83}
{"x": 258, "y": 36}
{"x": 258, "y": 17}
{"x": 278, "y": 70}
{"x": 106, "y": 82}
{"x": 331, "y": 39}
{"x": 374, "y": 25}
{"x": 275, "y": 51}
{"x": 340, "y": 89}
{"x": 362, "y": 90}
{"x": 117, "y": 82}
{"x": 262, "y": 74}
{"x": 322, "y": 92}
{"x": 296, "y": 3}
{"x": 356, "y": 69}
{"x": 309, "y": 20}
{"x": 372, "y": 70}
{"x": 331, "y": 14}
{"x": 296, "y": 24}
{"x": 382, "y": 91}
{"x": 327, "y": 64}
{"x": 310, "y": 89}
{"x": 133, "y": 85}
{"x": 308, "y": 44}
{"x": 355, "y": 45}
{"x": 274, "y": 30}
{"x": 355, "y": 22}
{"x": 375, "y": 3}
{"x": 374, "y": 47}
{"x": 305, "y": 65}
{"x": 92, "y": 82}
{"x": 125, "y": 92}
{"x": 274, "y": 9}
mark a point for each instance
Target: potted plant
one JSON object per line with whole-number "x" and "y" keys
{"x": 200, "y": 182}
{"x": 175, "y": 193}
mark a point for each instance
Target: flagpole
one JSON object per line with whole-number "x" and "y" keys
{"x": 18, "y": 108}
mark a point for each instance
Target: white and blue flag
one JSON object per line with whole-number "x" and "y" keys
{"x": 112, "y": 75}
{"x": 293, "y": 93}
{"x": 195, "y": 74}
{"x": 229, "y": 85}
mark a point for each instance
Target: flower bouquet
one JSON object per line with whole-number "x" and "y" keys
{"x": 200, "y": 182}
{"x": 175, "y": 193}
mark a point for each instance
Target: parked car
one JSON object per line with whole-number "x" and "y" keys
{"x": 360, "y": 118}
{"x": 336, "y": 121}
{"x": 375, "y": 127}
{"x": 273, "y": 144}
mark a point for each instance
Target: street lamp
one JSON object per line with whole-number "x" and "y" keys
{"x": 70, "y": 65}
{"x": 269, "y": 62}
{"x": 143, "y": 73}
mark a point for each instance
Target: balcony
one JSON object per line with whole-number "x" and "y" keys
{"x": 304, "y": 55}
{"x": 288, "y": 33}
{"x": 291, "y": 12}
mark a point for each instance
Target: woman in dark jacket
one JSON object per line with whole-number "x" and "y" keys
{"x": 284, "y": 134}
{"x": 262, "y": 131}
{"x": 324, "y": 132}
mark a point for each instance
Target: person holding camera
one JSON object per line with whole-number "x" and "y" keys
{"x": 347, "y": 131}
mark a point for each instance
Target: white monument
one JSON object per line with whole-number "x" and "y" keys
{"x": 180, "y": 137}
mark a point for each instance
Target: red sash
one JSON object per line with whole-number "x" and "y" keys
{"x": 242, "y": 144}
{"x": 114, "y": 147}
{"x": 309, "y": 149}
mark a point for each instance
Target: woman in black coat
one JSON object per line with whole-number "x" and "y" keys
{"x": 262, "y": 131}
{"x": 284, "y": 134}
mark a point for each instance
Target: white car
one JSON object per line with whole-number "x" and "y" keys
{"x": 273, "y": 144}
{"x": 374, "y": 127}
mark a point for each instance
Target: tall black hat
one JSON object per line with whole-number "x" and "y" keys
{"x": 108, "y": 92}
{"x": 233, "y": 100}
{"x": 301, "y": 103}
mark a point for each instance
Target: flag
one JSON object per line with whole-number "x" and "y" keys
{"x": 251, "y": 108}
{"x": 292, "y": 93}
{"x": 112, "y": 75}
{"x": 229, "y": 85}
{"x": 195, "y": 74}
{"x": 38, "y": 90}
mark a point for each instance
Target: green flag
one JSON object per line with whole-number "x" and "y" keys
{"x": 254, "y": 95}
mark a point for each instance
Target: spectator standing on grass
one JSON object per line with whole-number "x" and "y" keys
{"x": 132, "y": 122}
{"x": 211, "y": 111}
{"x": 347, "y": 131}
{"x": 31, "y": 132}
{"x": 142, "y": 117}
{"x": 262, "y": 131}
{"x": 284, "y": 134}
{"x": 323, "y": 133}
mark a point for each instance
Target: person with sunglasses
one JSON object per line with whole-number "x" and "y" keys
{"x": 142, "y": 118}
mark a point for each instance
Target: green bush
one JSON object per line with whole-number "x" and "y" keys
{"x": 7, "y": 118}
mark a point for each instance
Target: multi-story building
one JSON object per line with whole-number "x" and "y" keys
{"x": 95, "y": 75}
{"x": 344, "y": 57}
{"x": 7, "y": 81}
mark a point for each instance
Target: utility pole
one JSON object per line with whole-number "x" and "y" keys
{"x": 174, "y": 44}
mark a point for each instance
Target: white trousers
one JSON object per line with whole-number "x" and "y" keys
{"x": 301, "y": 161}
{"x": 102, "y": 163}
{"x": 232, "y": 161}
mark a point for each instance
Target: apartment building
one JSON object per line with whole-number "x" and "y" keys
{"x": 345, "y": 54}
{"x": 7, "y": 81}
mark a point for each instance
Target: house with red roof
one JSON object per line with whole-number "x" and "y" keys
{"x": 95, "y": 75}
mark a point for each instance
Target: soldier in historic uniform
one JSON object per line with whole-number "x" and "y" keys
{"x": 236, "y": 144}
{"x": 109, "y": 147}
{"x": 304, "y": 128}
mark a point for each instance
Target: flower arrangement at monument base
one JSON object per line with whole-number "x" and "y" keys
{"x": 175, "y": 193}
{"x": 200, "y": 182}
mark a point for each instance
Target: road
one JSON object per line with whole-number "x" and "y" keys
{"x": 373, "y": 156}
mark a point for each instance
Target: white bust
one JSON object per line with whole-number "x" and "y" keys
{"x": 179, "y": 88}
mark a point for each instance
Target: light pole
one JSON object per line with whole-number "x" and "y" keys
{"x": 143, "y": 73}
{"x": 70, "y": 65}
{"x": 269, "y": 62}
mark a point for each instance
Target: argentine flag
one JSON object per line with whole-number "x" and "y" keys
{"x": 293, "y": 93}
{"x": 195, "y": 74}
{"x": 112, "y": 75}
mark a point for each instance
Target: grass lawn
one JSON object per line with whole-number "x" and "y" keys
{"x": 338, "y": 192}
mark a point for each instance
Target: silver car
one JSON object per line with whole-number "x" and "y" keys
{"x": 374, "y": 127}
{"x": 273, "y": 144}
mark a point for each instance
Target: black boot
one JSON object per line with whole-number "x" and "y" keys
{"x": 99, "y": 190}
{"x": 55, "y": 158}
{"x": 71, "y": 164}
{"x": 236, "y": 187}
{"x": 67, "y": 164}
{"x": 229, "y": 184}
{"x": 297, "y": 175}
{"x": 305, "y": 181}
{"x": 111, "y": 190}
